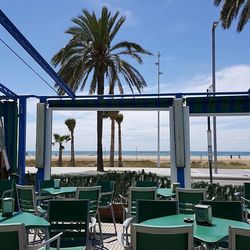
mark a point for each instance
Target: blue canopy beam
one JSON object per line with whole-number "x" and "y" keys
{"x": 20, "y": 38}
{"x": 7, "y": 92}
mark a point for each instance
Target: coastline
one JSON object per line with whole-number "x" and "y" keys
{"x": 150, "y": 161}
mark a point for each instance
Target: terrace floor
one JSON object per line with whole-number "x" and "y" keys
{"x": 109, "y": 237}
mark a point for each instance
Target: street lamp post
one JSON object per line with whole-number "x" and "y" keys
{"x": 158, "y": 113}
{"x": 209, "y": 146}
{"x": 215, "y": 24}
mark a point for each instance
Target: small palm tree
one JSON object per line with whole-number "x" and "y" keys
{"x": 230, "y": 10}
{"x": 91, "y": 53}
{"x": 60, "y": 140}
{"x": 71, "y": 124}
{"x": 112, "y": 116}
{"x": 119, "y": 120}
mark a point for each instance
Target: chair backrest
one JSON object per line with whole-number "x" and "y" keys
{"x": 4, "y": 186}
{"x": 6, "y": 190}
{"x": 139, "y": 193}
{"x": 239, "y": 238}
{"x": 171, "y": 238}
{"x": 72, "y": 218}
{"x": 107, "y": 187}
{"x": 45, "y": 184}
{"x": 247, "y": 190}
{"x": 12, "y": 236}
{"x": 26, "y": 197}
{"x": 146, "y": 184}
{"x": 188, "y": 198}
{"x": 231, "y": 210}
{"x": 150, "y": 209}
{"x": 92, "y": 194}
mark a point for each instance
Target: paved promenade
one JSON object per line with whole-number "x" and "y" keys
{"x": 224, "y": 176}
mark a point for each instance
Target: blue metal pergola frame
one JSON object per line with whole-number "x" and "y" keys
{"x": 20, "y": 38}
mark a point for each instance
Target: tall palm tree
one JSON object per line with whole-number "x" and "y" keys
{"x": 91, "y": 52}
{"x": 119, "y": 120}
{"x": 71, "y": 124}
{"x": 230, "y": 10}
{"x": 60, "y": 139}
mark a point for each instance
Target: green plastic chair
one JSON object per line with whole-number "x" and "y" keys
{"x": 146, "y": 184}
{"x": 27, "y": 200}
{"x": 188, "y": 198}
{"x": 106, "y": 198}
{"x": 239, "y": 239}
{"x": 162, "y": 238}
{"x": 139, "y": 193}
{"x": 44, "y": 197}
{"x": 92, "y": 194}
{"x": 231, "y": 210}
{"x": 150, "y": 209}
{"x": 135, "y": 193}
{"x": 6, "y": 189}
{"x": 71, "y": 217}
{"x": 12, "y": 237}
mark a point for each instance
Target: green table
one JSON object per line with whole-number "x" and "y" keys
{"x": 29, "y": 220}
{"x": 59, "y": 191}
{"x": 165, "y": 192}
{"x": 208, "y": 234}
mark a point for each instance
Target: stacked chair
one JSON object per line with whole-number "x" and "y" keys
{"x": 135, "y": 193}
{"x": 188, "y": 198}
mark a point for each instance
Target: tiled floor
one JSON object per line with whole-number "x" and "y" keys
{"x": 109, "y": 237}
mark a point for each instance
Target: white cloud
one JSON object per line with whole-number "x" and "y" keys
{"x": 233, "y": 78}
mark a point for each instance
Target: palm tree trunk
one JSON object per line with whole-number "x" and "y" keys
{"x": 120, "y": 146}
{"x": 100, "y": 91}
{"x": 59, "y": 162}
{"x": 72, "y": 160}
{"x": 99, "y": 141}
{"x": 112, "y": 144}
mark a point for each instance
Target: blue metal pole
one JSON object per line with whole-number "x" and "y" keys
{"x": 181, "y": 177}
{"x": 22, "y": 139}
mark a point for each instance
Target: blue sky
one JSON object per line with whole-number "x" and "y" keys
{"x": 180, "y": 30}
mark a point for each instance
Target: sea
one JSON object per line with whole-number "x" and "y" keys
{"x": 147, "y": 153}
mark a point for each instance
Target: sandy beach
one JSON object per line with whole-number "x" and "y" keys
{"x": 151, "y": 161}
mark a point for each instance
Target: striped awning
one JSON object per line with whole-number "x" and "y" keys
{"x": 121, "y": 103}
{"x": 219, "y": 105}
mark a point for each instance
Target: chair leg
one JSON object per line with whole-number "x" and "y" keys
{"x": 113, "y": 217}
{"x": 100, "y": 227}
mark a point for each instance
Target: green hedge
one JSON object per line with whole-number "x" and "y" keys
{"x": 125, "y": 179}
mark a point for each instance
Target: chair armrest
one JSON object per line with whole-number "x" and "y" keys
{"x": 123, "y": 237}
{"x": 46, "y": 243}
{"x": 245, "y": 200}
{"x": 127, "y": 222}
{"x": 124, "y": 200}
{"x": 92, "y": 222}
{"x": 238, "y": 195}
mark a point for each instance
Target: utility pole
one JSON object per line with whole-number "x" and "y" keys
{"x": 158, "y": 112}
